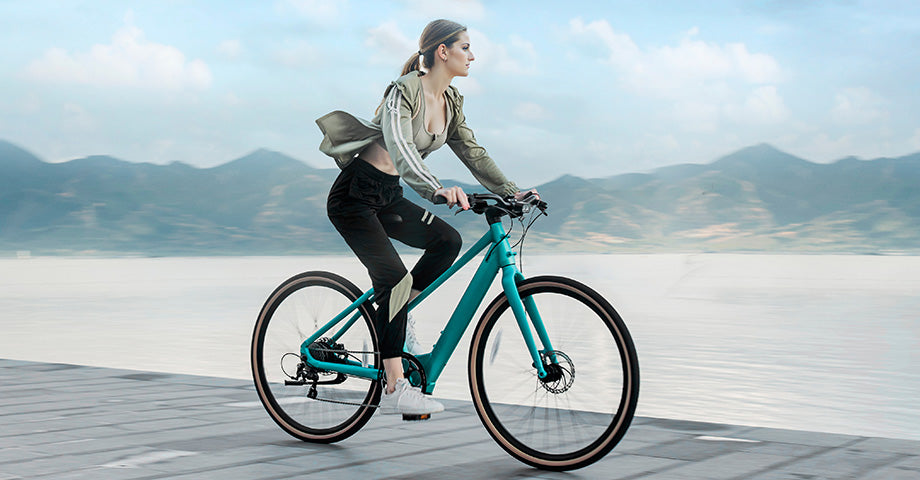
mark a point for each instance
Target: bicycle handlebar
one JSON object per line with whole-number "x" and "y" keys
{"x": 481, "y": 203}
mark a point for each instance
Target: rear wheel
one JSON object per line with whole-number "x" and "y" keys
{"x": 338, "y": 405}
{"x": 583, "y": 408}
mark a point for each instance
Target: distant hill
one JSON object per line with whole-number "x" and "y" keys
{"x": 266, "y": 203}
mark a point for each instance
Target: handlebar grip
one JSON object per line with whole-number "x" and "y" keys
{"x": 439, "y": 200}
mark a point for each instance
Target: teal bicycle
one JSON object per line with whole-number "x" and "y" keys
{"x": 553, "y": 372}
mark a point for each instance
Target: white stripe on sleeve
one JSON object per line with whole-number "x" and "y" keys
{"x": 403, "y": 145}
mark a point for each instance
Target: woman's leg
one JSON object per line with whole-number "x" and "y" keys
{"x": 419, "y": 228}
{"x": 391, "y": 281}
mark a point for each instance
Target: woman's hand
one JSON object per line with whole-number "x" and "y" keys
{"x": 522, "y": 194}
{"x": 454, "y": 196}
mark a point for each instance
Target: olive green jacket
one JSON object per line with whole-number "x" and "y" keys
{"x": 395, "y": 124}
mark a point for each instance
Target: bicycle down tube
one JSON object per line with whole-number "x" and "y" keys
{"x": 499, "y": 257}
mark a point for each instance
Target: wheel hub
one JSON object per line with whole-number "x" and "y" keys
{"x": 560, "y": 375}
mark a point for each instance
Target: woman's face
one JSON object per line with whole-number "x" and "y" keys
{"x": 459, "y": 56}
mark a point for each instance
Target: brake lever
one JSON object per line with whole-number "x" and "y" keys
{"x": 542, "y": 206}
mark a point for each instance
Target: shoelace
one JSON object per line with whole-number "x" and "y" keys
{"x": 411, "y": 339}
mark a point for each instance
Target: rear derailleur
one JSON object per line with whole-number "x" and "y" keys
{"x": 323, "y": 350}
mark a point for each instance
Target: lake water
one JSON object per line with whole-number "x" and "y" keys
{"x": 826, "y": 343}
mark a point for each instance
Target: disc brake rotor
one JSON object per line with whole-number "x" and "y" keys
{"x": 560, "y": 375}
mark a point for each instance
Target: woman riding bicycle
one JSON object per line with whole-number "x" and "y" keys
{"x": 420, "y": 112}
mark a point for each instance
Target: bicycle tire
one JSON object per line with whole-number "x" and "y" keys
{"x": 293, "y": 312}
{"x": 555, "y": 426}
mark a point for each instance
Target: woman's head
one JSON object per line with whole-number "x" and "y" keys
{"x": 451, "y": 35}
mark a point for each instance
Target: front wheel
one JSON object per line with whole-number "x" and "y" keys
{"x": 578, "y": 414}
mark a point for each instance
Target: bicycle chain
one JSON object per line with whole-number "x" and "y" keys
{"x": 339, "y": 402}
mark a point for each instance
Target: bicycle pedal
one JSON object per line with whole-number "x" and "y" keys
{"x": 412, "y": 418}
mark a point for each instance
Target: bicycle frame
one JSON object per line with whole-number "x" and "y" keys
{"x": 500, "y": 257}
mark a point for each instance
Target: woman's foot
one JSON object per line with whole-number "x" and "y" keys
{"x": 408, "y": 400}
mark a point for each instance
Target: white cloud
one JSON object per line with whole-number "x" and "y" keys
{"x": 643, "y": 152}
{"x": 232, "y": 100}
{"x": 529, "y": 111}
{"x": 697, "y": 116}
{"x": 319, "y": 11}
{"x": 618, "y": 47}
{"x": 763, "y": 105}
{"x": 164, "y": 149}
{"x": 517, "y": 58}
{"x": 393, "y": 45}
{"x": 30, "y": 104}
{"x": 858, "y": 106}
{"x": 914, "y": 142}
{"x": 76, "y": 118}
{"x": 297, "y": 54}
{"x": 129, "y": 61}
{"x": 703, "y": 84}
{"x": 669, "y": 70}
{"x": 468, "y": 86}
{"x": 752, "y": 67}
{"x": 231, "y": 49}
{"x": 824, "y": 147}
{"x": 460, "y": 10}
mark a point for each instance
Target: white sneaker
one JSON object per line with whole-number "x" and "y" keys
{"x": 408, "y": 400}
{"x": 412, "y": 346}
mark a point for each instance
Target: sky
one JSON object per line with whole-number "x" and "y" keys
{"x": 587, "y": 88}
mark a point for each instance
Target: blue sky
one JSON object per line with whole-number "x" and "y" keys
{"x": 582, "y": 87}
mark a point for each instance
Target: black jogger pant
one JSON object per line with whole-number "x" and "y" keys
{"x": 366, "y": 206}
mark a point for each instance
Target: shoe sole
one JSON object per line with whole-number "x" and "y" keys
{"x": 426, "y": 415}
{"x": 414, "y": 418}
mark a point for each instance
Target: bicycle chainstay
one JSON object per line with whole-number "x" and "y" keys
{"x": 311, "y": 394}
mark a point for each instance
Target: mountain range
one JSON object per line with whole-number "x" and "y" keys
{"x": 758, "y": 199}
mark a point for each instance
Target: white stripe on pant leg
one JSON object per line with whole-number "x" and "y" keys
{"x": 425, "y": 215}
{"x": 430, "y": 219}
{"x": 399, "y": 295}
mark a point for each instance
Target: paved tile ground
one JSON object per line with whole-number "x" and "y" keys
{"x": 69, "y": 421}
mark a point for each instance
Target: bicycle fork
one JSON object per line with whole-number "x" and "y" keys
{"x": 523, "y": 309}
